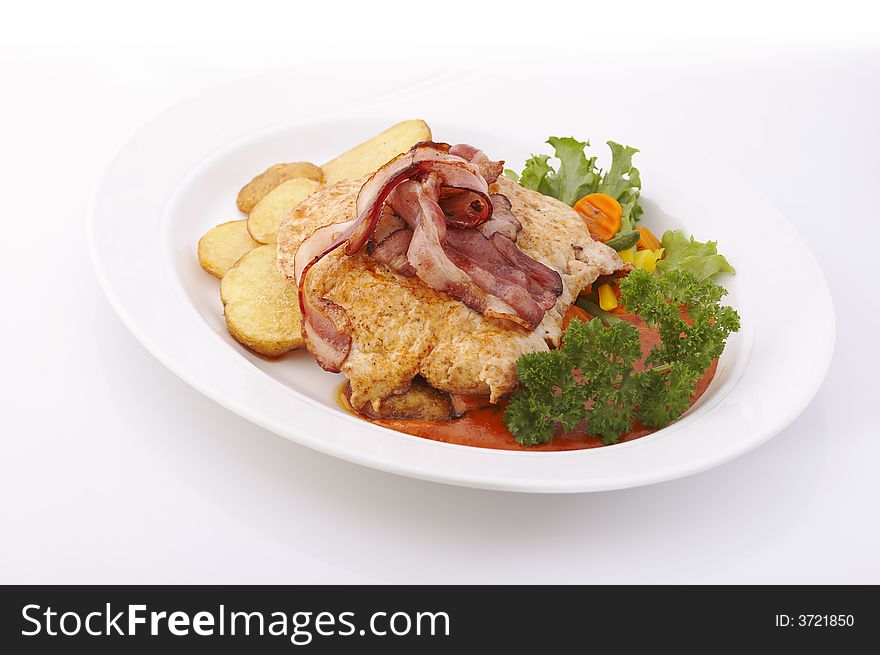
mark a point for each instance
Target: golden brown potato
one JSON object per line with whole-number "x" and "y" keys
{"x": 222, "y": 246}
{"x": 260, "y": 306}
{"x": 371, "y": 155}
{"x": 257, "y": 188}
{"x": 265, "y": 218}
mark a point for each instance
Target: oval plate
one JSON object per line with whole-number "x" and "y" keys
{"x": 179, "y": 176}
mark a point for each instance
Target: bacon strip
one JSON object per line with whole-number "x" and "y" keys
{"x": 392, "y": 250}
{"x": 526, "y": 311}
{"x": 463, "y": 208}
{"x": 388, "y": 224}
{"x": 423, "y": 159}
{"x": 483, "y": 250}
{"x": 503, "y": 220}
{"x": 323, "y": 322}
{"x": 426, "y": 253}
{"x": 542, "y": 275}
{"x": 428, "y": 212}
{"x": 490, "y": 170}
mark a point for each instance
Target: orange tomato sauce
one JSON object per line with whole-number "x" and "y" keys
{"x": 485, "y": 428}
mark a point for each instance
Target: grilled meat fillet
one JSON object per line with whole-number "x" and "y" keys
{"x": 401, "y": 328}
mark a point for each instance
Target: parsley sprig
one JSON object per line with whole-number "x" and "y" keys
{"x": 592, "y": 379}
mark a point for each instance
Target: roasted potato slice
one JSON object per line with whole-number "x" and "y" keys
{"x": 261, "y": 307}
{"x": 371, "y": 155}
{"x": 265, "y": 218}
{"x": 257, "y": 188}
{"x": 222, "y": 246}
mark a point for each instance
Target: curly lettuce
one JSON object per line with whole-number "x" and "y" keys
{"x": 578, "y": 175}
{"x": 688, "y": 254}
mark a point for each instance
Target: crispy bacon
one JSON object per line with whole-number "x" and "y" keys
{"x": 428, "y": 213}
{"x": 423, "y": 159}
{"x": 490, "y": 170}
{"x": 462, "y": 208}
{"x": 526, "y": 311}
{"x": 503, "y": 220}
{"x": 392, "y": 250}
{"x": 388, "y": 224}
{"x": 426, "y": 253}
{"x": 323, "y": 322}
{"x": 542, "y": 275}
{"x": 325, "y": 331}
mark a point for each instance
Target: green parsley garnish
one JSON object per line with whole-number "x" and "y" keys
{"x": 592, "y": 380}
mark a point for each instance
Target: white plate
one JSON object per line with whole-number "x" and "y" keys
{"x": 179, "y": 175}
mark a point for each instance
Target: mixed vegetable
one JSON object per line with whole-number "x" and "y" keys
{"x": 598, "y": 378}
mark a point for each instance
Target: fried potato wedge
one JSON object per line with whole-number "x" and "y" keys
{"x": 265, "y": 218}
{"x": 371, "y": 155}
{"x": 257, "y": 188}
{"x": 221, "y": 246}
{"x": 261, "y": 307}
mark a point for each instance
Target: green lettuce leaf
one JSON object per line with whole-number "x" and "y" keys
{"x": 688, "y": 254}
{"x": 535, "y": 171}
{"x": 623, "y": 182}
{"x": 579, "y": 176}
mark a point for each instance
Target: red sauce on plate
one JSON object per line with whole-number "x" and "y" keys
{"x": 485, "y": 428}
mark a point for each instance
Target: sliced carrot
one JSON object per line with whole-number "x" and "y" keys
{"x": 601, "y": 213}
{"x": 647, "y": 241}
{"x": 574, "y": 312}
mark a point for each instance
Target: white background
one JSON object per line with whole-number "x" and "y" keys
{"x": 114, "y": 470}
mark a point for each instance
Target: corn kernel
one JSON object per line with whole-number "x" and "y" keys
{"x": 607, "y": 299}
{"x": 644, "y": 259}
{"x": 658, "y": 254}
{"x": 647, "y": 259}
